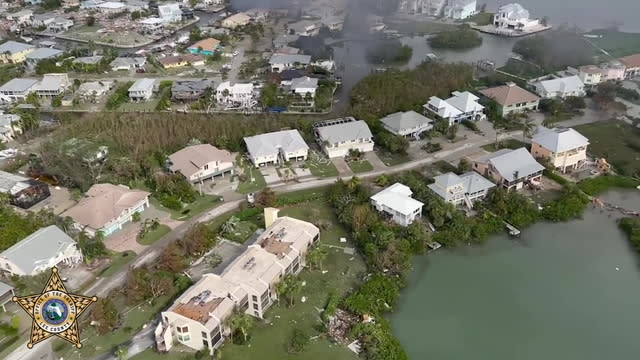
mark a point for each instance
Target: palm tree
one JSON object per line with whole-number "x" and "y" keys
{"x": 527, "y": 128}
{"x": 317, "y": 256}
{"x": 242, "y": 322}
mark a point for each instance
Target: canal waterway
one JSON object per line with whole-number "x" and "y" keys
{"x": 562, "y": 291}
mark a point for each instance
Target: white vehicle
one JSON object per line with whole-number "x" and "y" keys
{"x": 235, "y": 53}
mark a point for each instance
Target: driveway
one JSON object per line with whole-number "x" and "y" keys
{"x": 342, "y": 166}
{"x": 374, "y": 160}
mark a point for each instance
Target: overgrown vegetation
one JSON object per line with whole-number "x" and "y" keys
{"x": 600, "y": 184}
{"x": 555, "y": 50}
{"x": 389, "y": 52}
{"x": 461, "y": 38}
{"x": 631, "y": 226}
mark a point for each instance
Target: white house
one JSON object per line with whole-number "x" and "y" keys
{"x": 632, "y": 65}
{"x": 337, "y": 137}
{"x": 465, "y": 188}
{"x": 94, "y": 89}
{"x": 461, "y": 106}
{"x": 7, "y": 293}
{"x": 42, "y": 20}
{"x": 128, "y": 63}
{"x": 201, "y": 162}
{"x": 303, "y": 86}
{"x": 460, "y": 9}
{"x": 276, "y": 147}
{"x": 16, "y": 89}
{"x": 514, "y": 17}
{"x": 590, "y": 75}
{"x": 304, "y": 28}
{"x": 52, "y": 85}
{"x": 396, "y": 202}
{"x": 106, "y": 208}
{"x": 142, "y": 89}
{"x": 408, "y": 124}
{"x": 60, "y": 24}
{"x": 42, "y": 250}
{"x": 111, "y": 7}
{"x": 236, "y": 95}
{"x": 170, "y": 13}
{"x": 281, "y": 62}
{"x": 560, "y": 87}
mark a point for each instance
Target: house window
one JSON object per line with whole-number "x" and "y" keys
{"x": 183, "y": 329}
{"x": 204, "y": 335}
{"x": 206, "y": 167}
{"x": 205, "y": 343}
{"x": 254, "y": 298}
{"x": 255, "y": 306}
{"x": 184, "y": 338}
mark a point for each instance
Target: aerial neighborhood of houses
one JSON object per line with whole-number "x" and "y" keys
{"x": 222, "y": 141}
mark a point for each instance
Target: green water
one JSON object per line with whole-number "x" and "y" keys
{"x": 553, "y": 294}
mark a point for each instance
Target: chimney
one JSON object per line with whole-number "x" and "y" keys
{"x": 270, "y": 215}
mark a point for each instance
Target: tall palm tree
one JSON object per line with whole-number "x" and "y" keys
{"x": 353, "y": 183}
{"x": 242, "y": 322}
{"x": 527, "y": 128}
{"x": 230, "y": 225}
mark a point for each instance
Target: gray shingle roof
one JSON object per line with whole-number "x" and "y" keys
{"x": 19, "y": 85}
{"x": 268, "y": 144}
{"x": 38, "y": 248}
{"x": 191, "y": 85}
{"x": 290, "y": 59}
{"x": 13, "y": 47}
{"x": 560, "y": 139}
{"x": 344, "y": 132}
{"x": 507, "y": 162}
{"x": 474, "y": 182}
{"x": 43, "y": 53}
{"x": 4, "y": 288}
{"x": 142, "y": 84}
{"x": 304, "y": 82}
{"x": 405, "y": 120}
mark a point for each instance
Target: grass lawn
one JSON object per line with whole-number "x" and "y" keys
{"x": 419, "y": 27}
{"x": 444, "y": 166}
{"x": 94, "y": 344}
{"x": 324, "y": 168}
{"x": 505, "y": 144}
{"x": 390, "y": 159}
{"x": 616, "y": 141}
{"x": 243, "y": 230}
{"x": 150, "y": 354}
{"x": 483, "y": 18}
{"x": 202, "y": 204}
{"x": 617, "y": 43}
{"x": 152, "y": 236}
{"x": 269, "y": 338}
{"x": 360, "y": 166}
{"x": 118, "y": 261}
{"x": 254, "y": 183}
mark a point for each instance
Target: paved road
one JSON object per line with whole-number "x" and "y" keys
{"x": 144, "y": 339}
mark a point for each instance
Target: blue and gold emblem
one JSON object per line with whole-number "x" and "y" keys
{"x": 55, "y": 311}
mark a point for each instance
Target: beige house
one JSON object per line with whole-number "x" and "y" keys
{"x": 565, "y": 148}
{"x": 511, "y": 98}
{"x": 201, "y": 162}
{"x": 106, "y": 208}
{"x": 510, "y": 169}
{"x": 197, "y": 318}
{"x": 13, "y": 52}
{"x": 236, "y": 20}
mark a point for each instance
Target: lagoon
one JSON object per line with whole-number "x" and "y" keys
{"x": 561, "y": 291}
